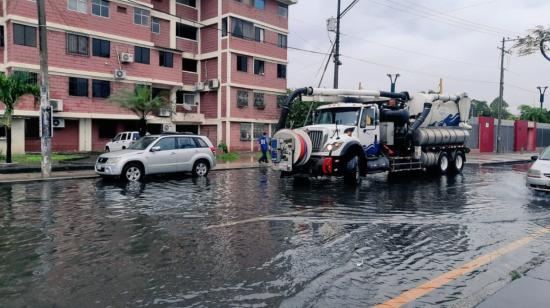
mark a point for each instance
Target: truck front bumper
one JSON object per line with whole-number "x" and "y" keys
{"x": 321, "y": 166}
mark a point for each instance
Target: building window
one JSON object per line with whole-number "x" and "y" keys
{"x": 242, "y": 63}
{"x": 242, "y": 29}
{"x": 259, "y": 67}
{"x": 27, "y": 77}
{"x": 78, "y": 86}
{"x": 281, "y": 40}
{"x": 121, "y": 9}
{"x": 281, "y": 100}
{"x": 166, "y": 59}
{"x": 242, "y": 98}
{"x": 100, "y": 8}
{"x": 141, "y": 16}
{"x": 281, "y": 71}
{"x": 77, "y": 44}
{"x": 2, "y": 36}
{"x": 101, "y": 48}
{"x": 2, "y": 131}
{"x": 187, "y": 98}
{"x": 101, "y": 88}
{"x": 259, "y": 35}
{"x": 141, "y": 55}
{"x": 192, "y": 3}
{"x": 224, "y": 27}
{"x": 259, "y": 130}
{"x": 189, "y": 65}
{"x": 259, "y": 4}
{"x": 259, "y": 100}
{"x": 155, "y": 25}
{"x": 245, "y": 131}
{"x": 282, "y": 10}
{"x": 78, "y": 5}
{"x": 24, "y": 35}
{"x": 185, "y": 31}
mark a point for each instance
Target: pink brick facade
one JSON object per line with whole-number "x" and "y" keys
{"x": 87, "y": 116}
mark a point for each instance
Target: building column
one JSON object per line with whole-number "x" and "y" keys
{"x": 85, "y": 135}
{"x": 18, "y": 136}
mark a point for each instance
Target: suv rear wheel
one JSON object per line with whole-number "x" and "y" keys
{"x": 201, "y": 168}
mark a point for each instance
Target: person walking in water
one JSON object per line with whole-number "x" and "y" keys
{"x": 264, "y": 143}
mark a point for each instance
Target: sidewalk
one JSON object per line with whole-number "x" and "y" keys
{"x": 487, "y": 159}
{"x": 531, "y": 290}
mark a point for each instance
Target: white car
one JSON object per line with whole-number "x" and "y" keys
{"x": 538, "y": 176}
{"x": 165, "y": 153}
{"x": 121, "y": 141}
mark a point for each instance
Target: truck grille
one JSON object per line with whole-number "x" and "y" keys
{"x": 316, "y": 140}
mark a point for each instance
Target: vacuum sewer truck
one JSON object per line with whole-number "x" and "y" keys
{"x": 357, "y": 132}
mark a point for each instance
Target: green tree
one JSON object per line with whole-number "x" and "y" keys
{"x": 480, "y": 108}
{"x": 504, "y": 110}
{"x": 301, "y": 113}
{"x": 140, "y": 102}
{"x": 12, "y": 88}
{"x": 534, "y": 114}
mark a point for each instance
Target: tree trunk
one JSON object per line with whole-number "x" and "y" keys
{"x": 8, "y": 144}
{"x": 142, "y": 127}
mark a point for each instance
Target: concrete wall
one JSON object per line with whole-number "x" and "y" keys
{"x": 17, "y": 138}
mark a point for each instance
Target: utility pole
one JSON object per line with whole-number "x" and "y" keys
{"x": 393, "y": 81}
{"x": 337, "y": 62}
{"x": 542, "y": 91}
{"x": 45, "y": 108}
{"x": 501, "y": 92}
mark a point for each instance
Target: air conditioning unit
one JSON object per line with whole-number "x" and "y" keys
{"x": 120, "y": 74}
{"x": 213, "y": 84}
{"x": 58, "y": 123}
{"x": 164, "y": 112}
{"x": 199, "y": 86}
{"x": 57, "y": 105}
{"x": 126, "y": 57}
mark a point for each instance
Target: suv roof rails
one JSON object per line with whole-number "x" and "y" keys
{"x": 177, "y": 133}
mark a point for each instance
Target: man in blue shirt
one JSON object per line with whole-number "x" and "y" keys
{"x": 264, "y": 144}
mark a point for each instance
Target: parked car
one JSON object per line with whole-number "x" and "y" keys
{"x": 121, "y": 141}
{"x": 154, "y": 154}
{"x": 538, "y": 176}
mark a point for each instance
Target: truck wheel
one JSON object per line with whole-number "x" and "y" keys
{"x": 352, "y": 176}
{"x": 458, "y": 163}
{"x": 443, "y": 163}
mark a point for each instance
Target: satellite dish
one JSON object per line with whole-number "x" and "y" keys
{"x": 187, "y": 107}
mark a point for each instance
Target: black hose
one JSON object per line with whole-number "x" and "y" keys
{"x": 289, "y": 101}
{"x": 420, "y": 119}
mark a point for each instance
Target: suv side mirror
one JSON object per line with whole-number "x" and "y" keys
{"x": 155, "y": 149}
{"x": 534, "y": 157}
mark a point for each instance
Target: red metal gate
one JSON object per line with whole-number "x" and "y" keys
{"x": 520, "y": 135}
{"x": 486, "y": 134}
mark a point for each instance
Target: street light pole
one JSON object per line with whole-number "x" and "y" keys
{"x": 45, "y": 108}
{"x": 542, "y": 91}
{"x": 393, "y": 81}
{"x": 337, "y": 62}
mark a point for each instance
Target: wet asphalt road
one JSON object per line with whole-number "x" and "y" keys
{"x": 249, "y": 238}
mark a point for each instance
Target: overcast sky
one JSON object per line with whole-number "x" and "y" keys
{"x": 422, "y": 40}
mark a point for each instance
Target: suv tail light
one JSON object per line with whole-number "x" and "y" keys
{"x": 213, "y": 149}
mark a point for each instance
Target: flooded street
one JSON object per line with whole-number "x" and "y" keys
{"x": 249, "y": 238}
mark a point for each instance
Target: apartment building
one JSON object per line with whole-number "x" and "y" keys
{"x": 221, "y": 63}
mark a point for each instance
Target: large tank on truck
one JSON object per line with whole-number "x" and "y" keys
{"x": 362, "y": 131}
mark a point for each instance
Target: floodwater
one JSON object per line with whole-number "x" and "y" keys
{"x": 249, "y": 238}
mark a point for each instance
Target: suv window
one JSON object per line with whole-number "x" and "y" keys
{"x": 200, "y": 143}
{"x": 167, "y": 144}
{"x": 136, "y": 136}
{"x": 123, "y": 137}
{"x": 186, "y": 143}
{"x": 117, "y": 137}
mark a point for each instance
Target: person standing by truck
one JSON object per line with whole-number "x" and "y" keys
{"x": 264, "y": 142}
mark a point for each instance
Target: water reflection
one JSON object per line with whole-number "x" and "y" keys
{"x": 164, "y": 242}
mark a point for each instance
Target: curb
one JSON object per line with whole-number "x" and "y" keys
{"x": 499, "y": 163}
{"x": 37, "y": 169}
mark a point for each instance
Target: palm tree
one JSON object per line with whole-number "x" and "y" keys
{"x": 139, "y": 102}
{"x": 12, "y": 87}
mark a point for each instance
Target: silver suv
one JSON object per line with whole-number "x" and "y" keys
{"x": 155, "y": 154}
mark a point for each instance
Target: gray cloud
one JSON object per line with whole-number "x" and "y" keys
{"x": 387, "y": 36}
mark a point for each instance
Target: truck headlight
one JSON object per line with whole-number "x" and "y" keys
{"x": 533, "y": 173}
{"x": 334, "y": 145}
